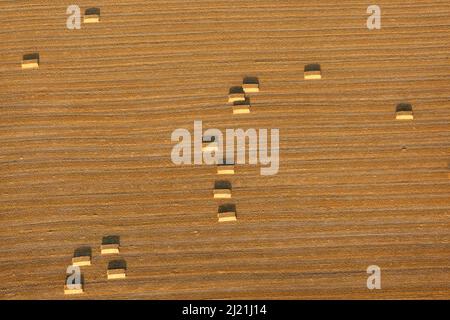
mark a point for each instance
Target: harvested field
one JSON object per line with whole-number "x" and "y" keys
{"x": 86, "y": 144}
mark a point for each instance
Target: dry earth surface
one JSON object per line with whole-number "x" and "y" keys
{"x": 85, "y": 149}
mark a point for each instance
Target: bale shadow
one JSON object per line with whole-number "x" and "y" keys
{"x": 111, "y": 239}
{"x": 312, "y": 67}
{"x": 251, "y": 80}
{"x": 82, "y": 252}
{"x": 228, "y": 207}
{"x": 92, "y": 11}
{"x": 31, "y": 56}
{"x": 222, "y": 184}
{"x": 401, "y": 107}
{"x": 117, "y": 264}
{"x": 236, "y": 89}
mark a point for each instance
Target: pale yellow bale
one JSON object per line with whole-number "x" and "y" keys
{"x": 81, "y": 261}
{"x": 226, "y": 216}
{"x": 313, "y": 75}
{"x": 91, "y": 18}
{"x": 225, "y": 169}
{"x": 241, "y": 109}
{"x": 110, "y": 248}
{"x": 30, "y": 64}
{"x": 116, "y": 273}
{"x": 222, "y": 193}
{"x": 404, "y": 115}
{"x": 250, "y": 87}
{"x": 73, "y": 289}
{"x": 236, "y": 97}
